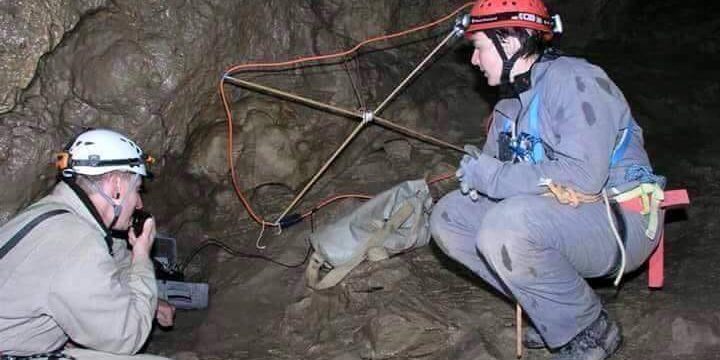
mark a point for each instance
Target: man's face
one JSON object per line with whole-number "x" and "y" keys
{"x": 130, "y": 189}
{"x": 486, "y": 58}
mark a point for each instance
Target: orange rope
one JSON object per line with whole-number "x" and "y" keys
{"x": 333, "y": 199}
{"x": 441, "y": 178}
{"x": 228, "y": 112}
{"x": 231, "y": 163}
{"x": 236, "y": 68}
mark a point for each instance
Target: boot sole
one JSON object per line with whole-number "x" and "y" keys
{"x": 533, "y": 345}
{"x": 612, "y": 339}
{"x": 532, "y": 341}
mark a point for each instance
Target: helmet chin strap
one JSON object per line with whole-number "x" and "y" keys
{"x": 507, "y": 63}
{"x": 117, "y": 208}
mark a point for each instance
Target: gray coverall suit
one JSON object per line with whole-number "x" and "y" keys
{"x": 61, "y": 283}
{"x": 530, "y": 247}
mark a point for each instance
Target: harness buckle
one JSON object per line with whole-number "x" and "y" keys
{"x": 644, "y": 199}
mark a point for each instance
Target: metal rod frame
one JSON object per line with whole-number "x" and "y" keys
{"x": 365, "y": 117}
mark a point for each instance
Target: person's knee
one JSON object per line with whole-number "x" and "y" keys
{"x": 436, "y": 220}
{"x": 441, "y": 217}
{"x": 504, "y": 234}
{"x": 439, "y": 228}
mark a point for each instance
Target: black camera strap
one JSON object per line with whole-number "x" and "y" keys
{"x": 27, "y": 228}
{"x": 49, "y": 356}
{"x": 91, "y": 208}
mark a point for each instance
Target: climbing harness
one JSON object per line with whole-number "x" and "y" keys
{"x": 567, "y": 195}
{"x": 649, "y": 192}
{"x": 527, "y": 146}
{"x": 366, "y": 116}
{"x": 644, "y": 196}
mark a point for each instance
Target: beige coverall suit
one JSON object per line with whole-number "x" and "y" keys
{"x": 60, "y": 282}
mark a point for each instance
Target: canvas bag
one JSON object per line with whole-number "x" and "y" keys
{"x": 395, "y": 221}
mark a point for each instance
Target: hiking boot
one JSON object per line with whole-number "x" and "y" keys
{"x": 532, "y": 339}
{"x": 597, "y": 342}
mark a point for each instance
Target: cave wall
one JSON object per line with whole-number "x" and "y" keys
{"x": 150, "y": 69}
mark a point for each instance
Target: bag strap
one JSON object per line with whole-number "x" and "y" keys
{"x": 334, "y": 276}
{"x": 27, "y": 228}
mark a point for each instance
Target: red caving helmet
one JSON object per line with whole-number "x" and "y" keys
{"x": 493, "y": 14}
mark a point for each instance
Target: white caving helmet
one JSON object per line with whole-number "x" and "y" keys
{"x": 99, "y": 151}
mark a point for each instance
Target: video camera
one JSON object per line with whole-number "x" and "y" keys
{"x": 170, "y": 280}
{"x": 139, "y": 216}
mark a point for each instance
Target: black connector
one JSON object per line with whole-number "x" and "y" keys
{"x": 290, "y": 220}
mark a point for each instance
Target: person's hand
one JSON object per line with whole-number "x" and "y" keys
{"x": 466, "y": 190}
{"x": 471, "y": 153}
{"x": 142, "y": 244}
{"x": 165, "y": 313}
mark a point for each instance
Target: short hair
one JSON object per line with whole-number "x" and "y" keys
{"x": 90, "y": 183}
{"x": 532, "y": 41}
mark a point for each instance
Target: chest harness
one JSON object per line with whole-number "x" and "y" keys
{"x": 526, "y": 146}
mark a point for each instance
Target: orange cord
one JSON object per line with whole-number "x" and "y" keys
{"x": 228, "y": 113}
{"x": 441, "y": 178}
{"x": 333, "y": 199}
{"x": 235, "y": 68}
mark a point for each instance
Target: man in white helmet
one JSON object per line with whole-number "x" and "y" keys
{"x": 67, "y": 288}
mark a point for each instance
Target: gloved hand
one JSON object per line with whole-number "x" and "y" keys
{"x": 471, "y": 153}
{"x": 466, "y": 190}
